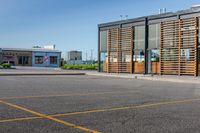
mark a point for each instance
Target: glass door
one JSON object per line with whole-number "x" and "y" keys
{"x": 153, "y": 61}
{"x": 138, "y": 61}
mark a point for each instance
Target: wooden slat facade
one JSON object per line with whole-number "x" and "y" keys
{"x": 120, "y": 50}
{"x": 179, "y": 47}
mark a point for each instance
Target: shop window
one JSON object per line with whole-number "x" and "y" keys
{"x": 185, "y": 54}
{"x": 25, "y": 60}
{"x": 38, "y": 59}
{"x": 155, "y": 55}
{"x": 139, "y": 37}
{"x": 126, "y": 57}
{"x": 103, "y": 41}
{"x": 103, "y": 61}
{"x": 20, "y": 60}
{"x": 138, "y": 56}
{"x": 53, "y": 59}
{"x": 113, "y": 57}
{"x": 154, "y": 36}
{"x": 169, "y": 54}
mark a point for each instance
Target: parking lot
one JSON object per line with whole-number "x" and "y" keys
{"x": 73, "y": 104}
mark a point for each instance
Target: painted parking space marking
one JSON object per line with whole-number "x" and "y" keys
{"x": 49, "y": 117}
{"x": 108, "y": 109}
{"x": 20, "y": 119}
{"x": 72, "y": 94}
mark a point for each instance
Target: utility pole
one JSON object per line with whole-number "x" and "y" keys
{"x": 92, "y": 56}
{"x": 86, "y": 57}
{"x": 0, "y": 55}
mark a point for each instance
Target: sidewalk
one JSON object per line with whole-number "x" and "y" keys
{"x": 169, "y": 78}
{"x": 23, "y": 71}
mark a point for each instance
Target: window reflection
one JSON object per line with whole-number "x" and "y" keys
{"x": 139, "y": 39}
{"x": 139, "y": 46}
{"x": 153, "y": 48}
{"x": 138, "y": 56}
{"x": 103, "y": 51}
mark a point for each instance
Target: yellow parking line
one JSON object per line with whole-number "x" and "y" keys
{"x": 49, "y": 117}
{"x": 20, "y": 119}
{"x": 109, "y": 109}
{"x": 128, "y": 107}
{"x": 72, "y": 94}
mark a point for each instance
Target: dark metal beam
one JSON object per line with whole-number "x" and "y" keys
{"x": 152, "y": 17}
{"x": 99, "y": 58}
{"x": 146, "y": 46}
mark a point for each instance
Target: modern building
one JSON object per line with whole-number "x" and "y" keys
{"x": 38, "y": 57}
{"x": 74, "y": 57}
{"x": 166, "y": 43}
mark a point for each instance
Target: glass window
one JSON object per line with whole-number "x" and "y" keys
{"x": 20, "y": 60}
{"x": 113, "y": 57}
{"x": 103, "y": 41}
{"x": 104, "y": 61}
{"x": 199, "y": 55}
{"x": 139, "y": 37}
{"x": 25, "y": 60}
{"x": 53, "y": 59}
{"x": 199, "y": 31}
{"x": 38, "y": 59}
{"x": 126, "y": 57}
{"x": 169, "y": 54}
{"x": 155, "y": 55}
{"x": 138, "y": 56}
{"x": 185, "y": 54}
{"x": 154, "y": 36}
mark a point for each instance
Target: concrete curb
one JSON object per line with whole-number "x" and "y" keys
{"x": 39, "y": 74}
{"x": 175, "y": 80}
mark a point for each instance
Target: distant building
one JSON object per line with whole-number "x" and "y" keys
{"x": 51, "y": 47}
{"x": 74, "y": 57}
{"x": 38, "y": 57}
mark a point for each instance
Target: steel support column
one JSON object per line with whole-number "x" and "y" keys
{"x": 146, "y": 46}
{"x": 99, "y": 58}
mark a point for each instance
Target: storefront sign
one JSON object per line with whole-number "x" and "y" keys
{"x": 46, "y": 58}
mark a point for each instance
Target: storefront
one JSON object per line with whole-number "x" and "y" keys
{"x": 16, "y": 57}
{"x": 166, "y": 43}
{"x": 30, "y": 57}
{"x": 46, "y": 58}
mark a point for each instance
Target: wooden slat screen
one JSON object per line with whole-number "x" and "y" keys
{"x": 113, "y": 42}
{"x": 120, "y": 50}
{"x": 125, "y": 50}
{"x": 169, "y": 48}
{"x": 178, "y": 47}
{"x": 188, "y": 42}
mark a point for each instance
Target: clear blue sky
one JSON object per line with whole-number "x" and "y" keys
{"x": 70, "y": 24}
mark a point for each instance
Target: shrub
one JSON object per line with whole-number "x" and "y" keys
{"x": 6, "y": 65}
{"x": 81, "y": 66}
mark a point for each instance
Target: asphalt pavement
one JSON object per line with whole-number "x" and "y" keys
{"x": 82, "y": 103}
